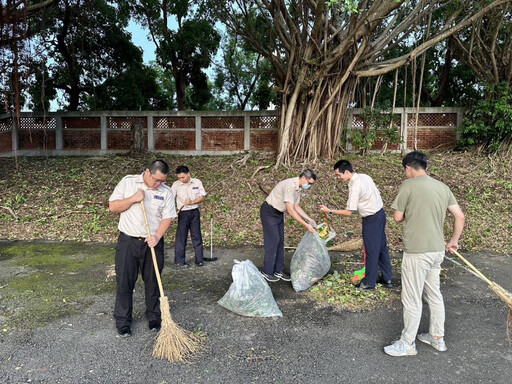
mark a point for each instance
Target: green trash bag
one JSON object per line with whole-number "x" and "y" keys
{"x": 249, "y": 294}
{"x": 310, "y": 262}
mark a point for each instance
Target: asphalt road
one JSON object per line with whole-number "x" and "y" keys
{"x": 307, "y": 345}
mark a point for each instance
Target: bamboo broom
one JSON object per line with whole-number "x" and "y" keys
{"x": 502, "y": 293}
{"x": 173, "y": 343}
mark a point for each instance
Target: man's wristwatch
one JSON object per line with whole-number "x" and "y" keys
{"x": 330, "y": 212}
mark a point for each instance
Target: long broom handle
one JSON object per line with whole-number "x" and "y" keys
{"x": 153, "y": 254}
{"x": 472, "y": 267}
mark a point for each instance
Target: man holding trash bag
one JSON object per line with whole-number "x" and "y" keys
{"x": 133, "y": 249}
{"x": 285, "y": 197}
{"x": 364, "y": 197}
{"x": 421, "y": 205}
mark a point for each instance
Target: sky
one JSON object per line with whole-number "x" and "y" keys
{"x": 139, "y": 38}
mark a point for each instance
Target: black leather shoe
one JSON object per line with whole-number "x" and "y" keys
{"x": 124, "y": 331}
{"x": 200, "y": 264}
{"x": 363, "y": 287}
{"x": 154, "y": 325}
{"x": 385, "y": 283}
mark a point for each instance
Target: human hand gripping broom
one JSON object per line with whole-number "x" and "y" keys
{"x": 503, "y": 294}
{"x": 173, "y": 343}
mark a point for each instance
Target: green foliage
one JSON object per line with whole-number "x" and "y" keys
{"x": 243, "y": 80}
{"x": 338, "y": 290}
{"x": 377, "y": 125}
{"x": 489, "y": 124}
{"x": 349, "y": 6}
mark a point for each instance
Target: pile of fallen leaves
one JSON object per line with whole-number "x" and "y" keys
{"x": 66, "y": 198}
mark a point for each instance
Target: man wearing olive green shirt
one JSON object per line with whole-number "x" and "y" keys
{"x": 421, "y": 206}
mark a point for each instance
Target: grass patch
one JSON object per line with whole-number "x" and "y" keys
{"x": 51, "y": 281}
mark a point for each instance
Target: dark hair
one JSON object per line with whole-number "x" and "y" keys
{"x": 158, "y": 165}
{"x": 343, "y": 165}
{"x": 182, "y": 169}
{"x": 309, "y": 174}
{"x": 416, "y": 160}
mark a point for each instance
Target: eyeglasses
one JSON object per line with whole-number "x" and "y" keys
{"x": 156, "y": 180}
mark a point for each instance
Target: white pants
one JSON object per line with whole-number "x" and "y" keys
{"x": 420, "y": 276}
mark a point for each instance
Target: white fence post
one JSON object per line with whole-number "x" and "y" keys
{"x": 247, "y": 132}
{"x": 151, "y": 133}
{"x": 199, "y": 138}
{"x": 103, "y": 122}
{"x": 58, "y": 132}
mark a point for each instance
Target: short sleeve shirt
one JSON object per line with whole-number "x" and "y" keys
{"x": 190, "y": 191}
{"x": 159, "y": 204}
{"x": 424, "y": 202}
{"x": 286, "y": 191}
{"x": 363, "y": 195}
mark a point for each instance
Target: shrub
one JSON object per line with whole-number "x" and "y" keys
{"x": 488, "y": 125}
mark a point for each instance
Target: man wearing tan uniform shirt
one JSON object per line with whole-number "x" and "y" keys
{"x": 189, "y": 194}
{"x": 364, "y": 197}
{"x": 133, "y": 251}
{"x": 285, "y": 197}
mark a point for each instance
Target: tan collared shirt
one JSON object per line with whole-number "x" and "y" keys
{"x": 286, "y": 191}
{"x": 190, "y": 191}
{"x": 363, "y": 195}
{"x": 159, "y": 205}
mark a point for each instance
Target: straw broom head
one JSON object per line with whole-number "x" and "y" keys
{"x": 173, "y": 343}
{"x": 506, "y": 297}
{"x": 349, "y": 245}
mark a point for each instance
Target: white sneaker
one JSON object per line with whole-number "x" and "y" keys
{"x": 400, "y": 348}
{"x": 438, "y": 344}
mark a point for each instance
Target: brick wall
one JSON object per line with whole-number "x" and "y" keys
{"x": 120, "y": 140}
{"x": 36, "y": 139}
{"x": 222, "y": 141}
{"x": 175, "y": 140}
{"x": 429, "y": 138}
{"x": 179, "y": 131}
{"x": 5, "y": 141}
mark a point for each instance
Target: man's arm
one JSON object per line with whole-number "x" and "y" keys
{"x": 199, "y": 200}
{"x": 398, "y": 216}
{"x": 458, "y": 225}
{"x": 118, "y": 206}
{"x": 340, "y": 212}
{"x": 297, "y": 213}
{"x": 162, "y": 228}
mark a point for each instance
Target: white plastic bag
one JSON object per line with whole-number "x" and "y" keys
{"x": 249, "y": 294}
{"x": 310, "y": 262}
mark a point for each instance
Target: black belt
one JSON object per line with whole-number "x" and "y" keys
{"x": 138, "y": 238}
{"x": 277, "y": 210}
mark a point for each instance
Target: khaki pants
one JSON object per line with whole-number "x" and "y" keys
{"x": 420, "y": 276}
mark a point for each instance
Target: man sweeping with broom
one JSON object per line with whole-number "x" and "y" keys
{"x": 421, "y": 206}
{"x": 133, "y": 249}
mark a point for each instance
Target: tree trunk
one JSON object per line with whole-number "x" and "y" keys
{"x": 138, "y": 142}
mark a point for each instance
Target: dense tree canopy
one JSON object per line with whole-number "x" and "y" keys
{"x": 313, "y": 58}
{"x": 320, "y": 52}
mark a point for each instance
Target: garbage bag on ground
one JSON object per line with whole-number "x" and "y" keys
{"x": 249, "y": 294}
{"x": 310, "y": 262}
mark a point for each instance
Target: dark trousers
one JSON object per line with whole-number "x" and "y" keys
{"x": 376, "y": 246}
{"x": 272, "y": 221}
{"x": 134, "y": 255}
{"x": 188, "y": 221}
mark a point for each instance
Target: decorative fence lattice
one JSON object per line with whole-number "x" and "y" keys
{"x": 175, "y": 123}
